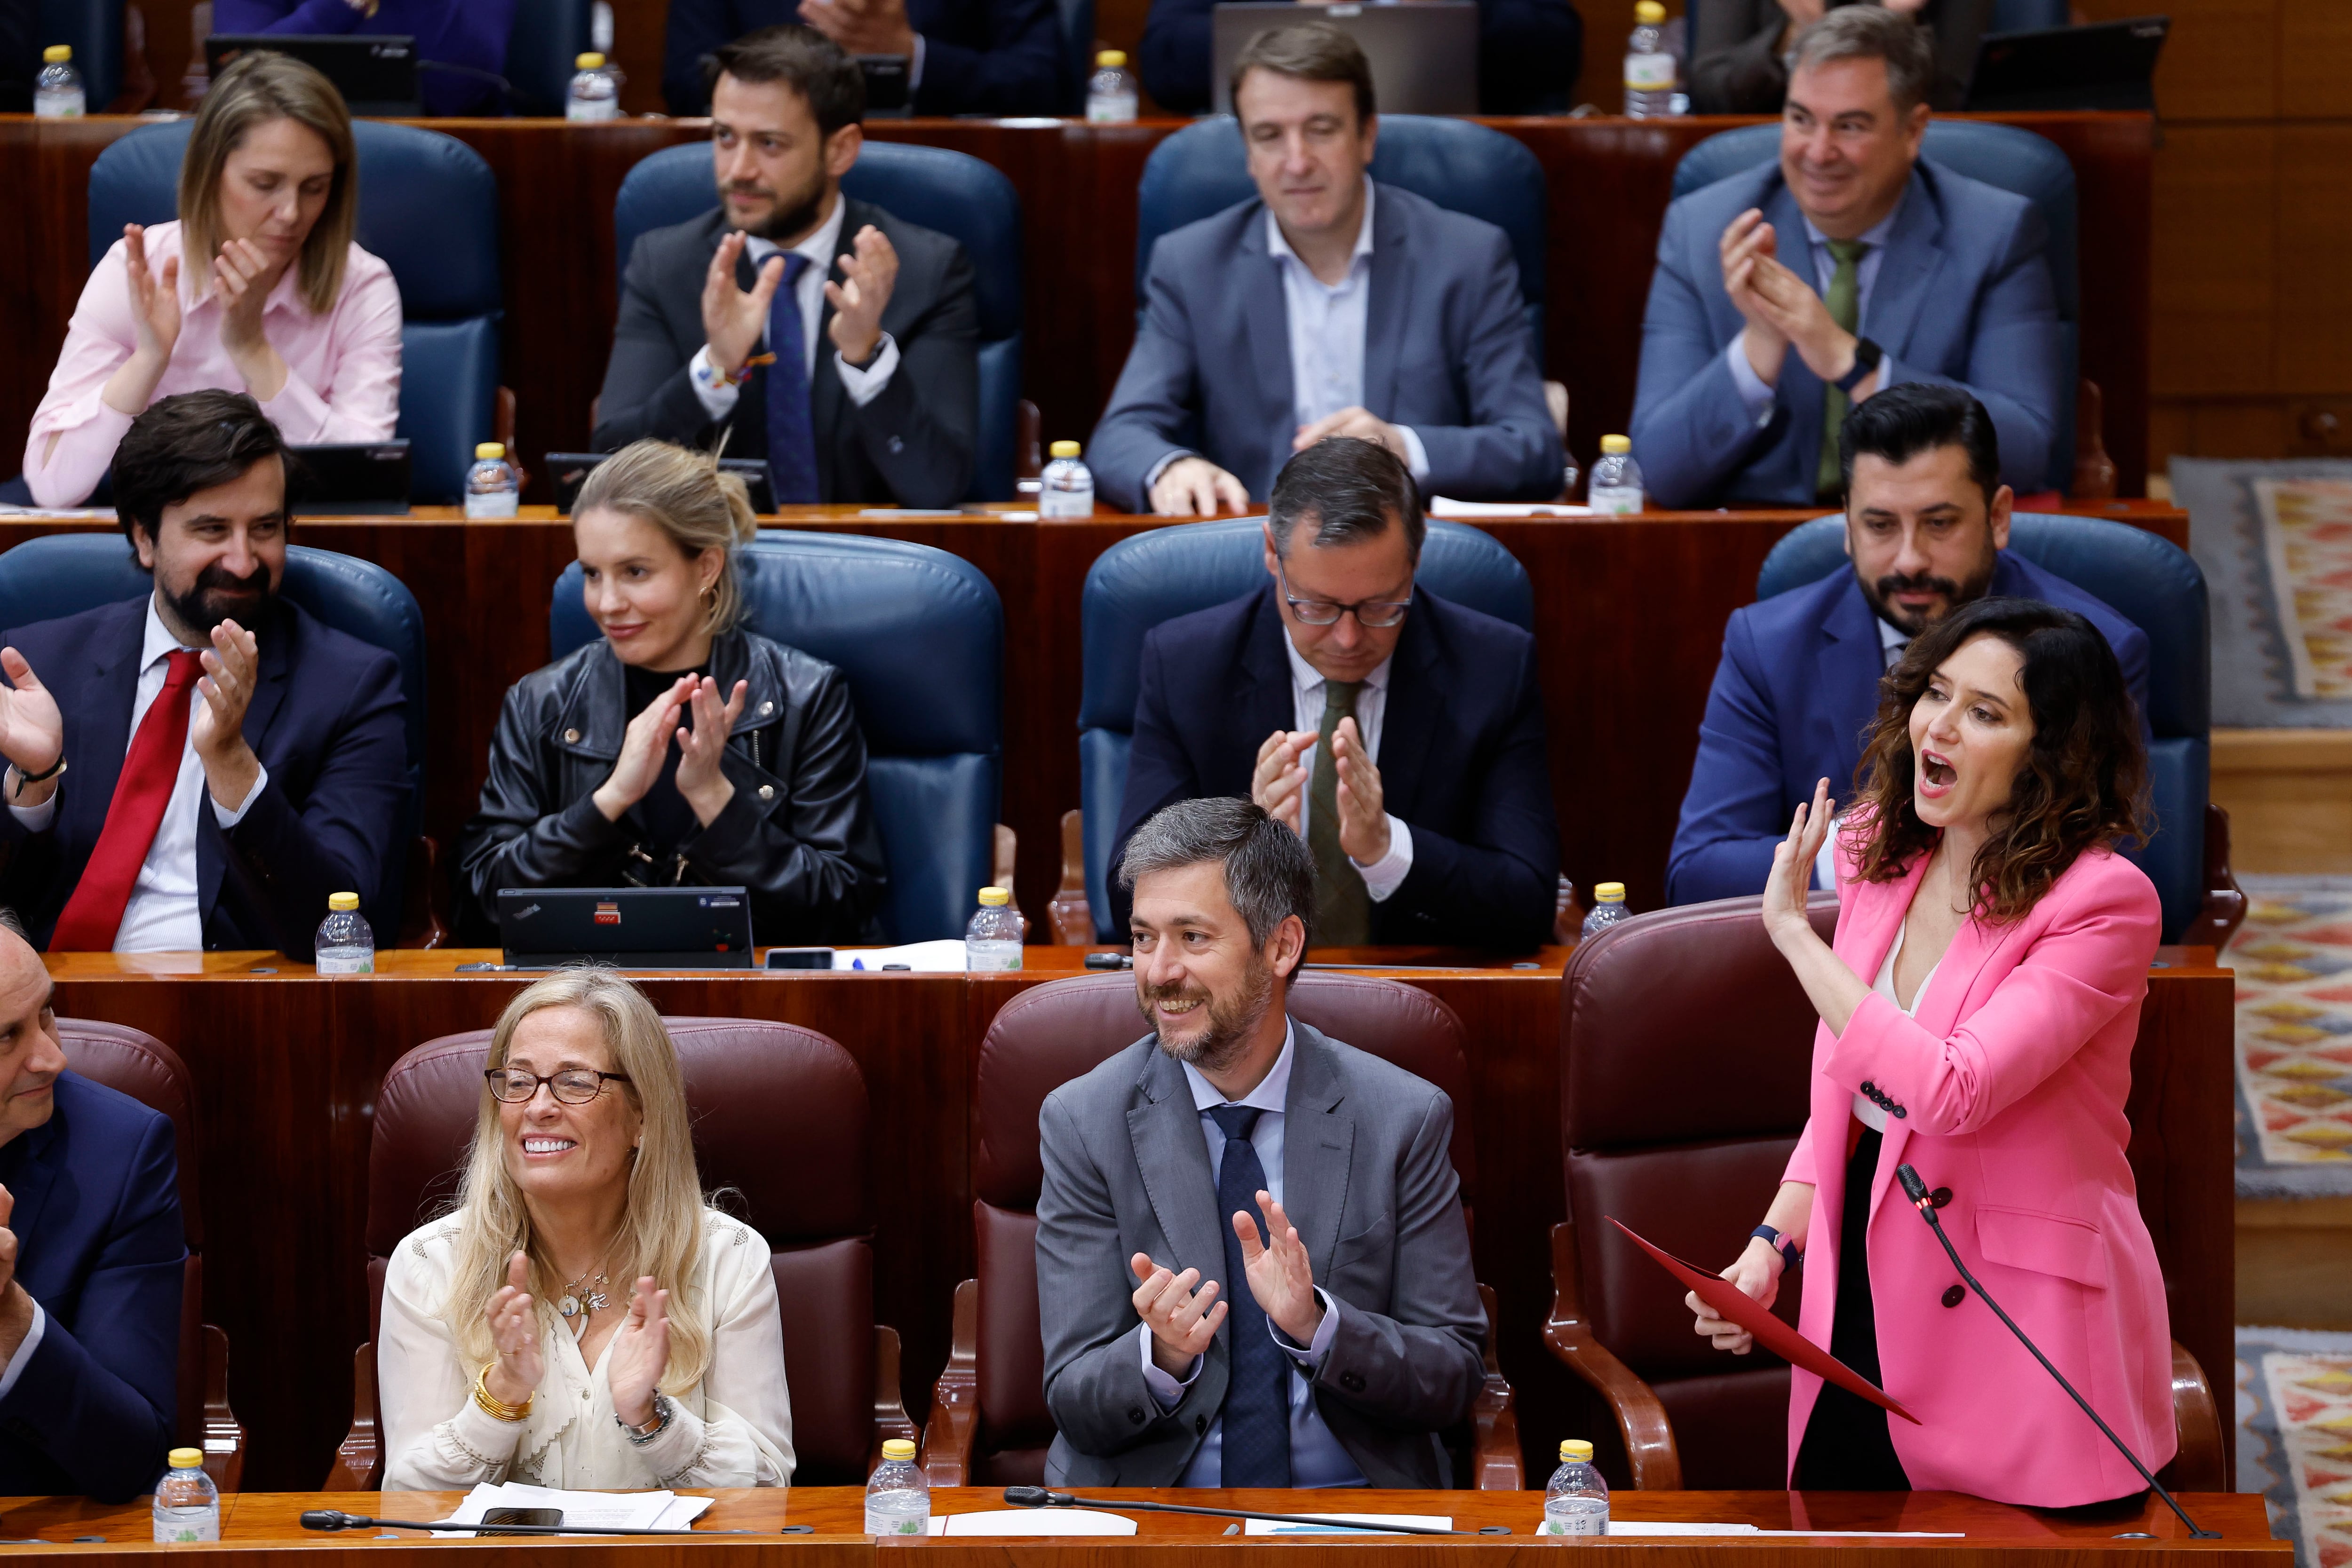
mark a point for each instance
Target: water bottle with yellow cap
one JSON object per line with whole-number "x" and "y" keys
{"x": 595, "y": 95}
{"x": 991, "y": 942}
{"x": 346, "y": 945}
{"x": 1111, "y": 96}
{"x": 1067, "y": 489}
{"x": 187, "y": 1504}
{"x": 898, "y": 1498}
{"x": 57, "y": 91}
{"x": 1576, "y": 1503}
{"x": 493, "y": 489}
{"x": 1608, "y": 909}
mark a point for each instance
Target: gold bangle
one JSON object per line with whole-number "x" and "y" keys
{"x": 498, "y": 1408}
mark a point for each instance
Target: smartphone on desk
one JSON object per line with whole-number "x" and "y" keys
{"x": 493, "y": 1518}
{"x": 800, "y": 958}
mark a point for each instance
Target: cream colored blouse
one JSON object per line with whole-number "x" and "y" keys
{"x": 733, "y": 1429}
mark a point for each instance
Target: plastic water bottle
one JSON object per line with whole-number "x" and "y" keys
{"x": 1110, "y": 91}
{"x": 1576, "y": 1503}
{"x": 898, "y": 1498}
{"x": 1649, "y": 68}
{"x": 992, "y": 941}
{"x": 1608, "y": 909}
{"x": 187, "y": 1504}
{"x": 491, "y": 489}
{"x": 1616, "y": 489}
{"x": 57, "y": 91}
{"x": 346, "y": 945}
{"x": 1069, "y": 486}
{"x": 594, "y": 94}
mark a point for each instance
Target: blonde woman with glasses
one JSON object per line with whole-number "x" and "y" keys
{"x": 582, "y": 1318}
{"x": 258, "y": 288}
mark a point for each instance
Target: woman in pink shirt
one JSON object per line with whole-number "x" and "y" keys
{"x": 259, "y": 287}
{"x": 1978, "y": 882}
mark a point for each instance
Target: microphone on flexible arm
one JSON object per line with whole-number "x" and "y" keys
{"x": 1038, "y": 1497}
{"x": 1917, "y": 1191}
{"x": 335, "y": 1519}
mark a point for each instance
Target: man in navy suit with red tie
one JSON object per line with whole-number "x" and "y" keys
{"x": 202, "y": 767}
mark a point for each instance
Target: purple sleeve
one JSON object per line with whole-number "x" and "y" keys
{"x": 283, "y": 16}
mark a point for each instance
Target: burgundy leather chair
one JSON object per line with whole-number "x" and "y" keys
{"x": 779, "y": 1117}
{"x": 138, "y": 1065}
{"x": 1686, "y": 1049}
{"x": 989, "y": 1425}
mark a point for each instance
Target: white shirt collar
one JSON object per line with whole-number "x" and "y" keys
{"x": 159, "y": 640}
{"x": 1307, "y": 678}
{"x": 1269, "y": 1094}
{"x": 820, "y": 247}
{"x": 1279, "y": 248}
{"x": 1875, "y": 235}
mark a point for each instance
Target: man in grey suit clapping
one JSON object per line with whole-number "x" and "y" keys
{"x": 1253, "y": 1267}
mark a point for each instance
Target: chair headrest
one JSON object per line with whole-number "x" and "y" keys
{"x": 134, "y": 1062}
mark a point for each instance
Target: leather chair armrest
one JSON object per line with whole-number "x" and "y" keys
{"x": 224, "y": 1437}
{"x": 1028, "y": 448}
{"x": 1004, "y": 858}
{"x": 1070, "y": 914}
{"x": 2224, "y": 909}
{"x": 2095, "y": 472}
{"x": 890, "y": 1417}
{"x": 1640, "y": 1420}
{"x": 954, "y": 1423}
{"x": 424, "y": 900}
{"x": 502, "y": 430}
{"x": 1495, "y": 1463}
{"x": 2199, "y": 1466}
{"x": 359, "y": 1461}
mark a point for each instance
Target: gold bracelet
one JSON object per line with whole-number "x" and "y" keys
{"x": 498, "y": 1408}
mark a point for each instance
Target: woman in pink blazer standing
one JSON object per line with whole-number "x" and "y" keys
{"x": 1977, "y": 1010}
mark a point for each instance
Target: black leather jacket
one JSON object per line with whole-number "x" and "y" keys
{"x": 798, "y": 834}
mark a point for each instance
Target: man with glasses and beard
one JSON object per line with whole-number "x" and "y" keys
{"x": 1199, "y": 1184}
{"x": 1926, "y": 524}
{"x": 794, "y": 323}
{"x": 1400, "y": 733}
{"x": 201, "y": 766}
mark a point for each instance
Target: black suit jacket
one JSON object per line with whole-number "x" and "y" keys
{"x": 913, "y": 445}
{"x": 1461, "y": 758}
{"x": 326, "y": 720}
{"x": 979, "y": 56}
{"x": 1529, "y": 52}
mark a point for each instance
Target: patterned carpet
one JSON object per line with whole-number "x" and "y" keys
{"x": 2294, "y": 962}
{"x": 2275, "y": 541}
{"x": 2294, "y": 1437}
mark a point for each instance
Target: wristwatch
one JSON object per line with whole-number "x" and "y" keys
{"x": 1789, "y": 1257}
{"x": 641, "y": 1436}
{"x": 1866, "y": 355}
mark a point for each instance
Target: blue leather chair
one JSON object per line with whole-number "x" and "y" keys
{"x": 1153, "y": 577}
{"x": 1462, "y": 167}
{"x": 920, "y": 635}
{"x": 2159, "y": 588}
{"x": 93, "y": 28}
{"x": 953, "y": 193}
{"x": 429, "y": 207}
{"x": 543, "y": 47}
{"x": 57, "y": 575}
{"x": 2001, "y": 155}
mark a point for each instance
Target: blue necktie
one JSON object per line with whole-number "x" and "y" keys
{"x": 1257, "y": 1451}
{"x": 792, "y": 434}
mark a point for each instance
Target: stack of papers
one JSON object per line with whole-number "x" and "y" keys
{"x": 944, "y": 956}
{"x": 1447, "y": 506}
{"x": 587, "y": 1511}
{"x": 1033, "y": 1522}
{"x": 1349, "y": 1525}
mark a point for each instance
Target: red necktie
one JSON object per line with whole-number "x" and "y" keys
{"x": 94, "y": 913}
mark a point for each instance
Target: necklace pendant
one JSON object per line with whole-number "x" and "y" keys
{"x": 568, "y": 1307}
{"x": 598, "y": 1301}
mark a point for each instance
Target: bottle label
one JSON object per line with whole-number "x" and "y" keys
{"x": 1066, "y": 503}
{"x": 583, "y": 110}
{"x": 1575, "y": 1524}
{"x": 880, "y": 1524}
{"x": 346, "y": 963}
{"x": 1108, "y": 108}
{"x": 1650, "y": 73}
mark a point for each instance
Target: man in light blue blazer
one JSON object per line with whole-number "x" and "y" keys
{"x": 1788, "y": 293}
{"x": 1331, "y": 305}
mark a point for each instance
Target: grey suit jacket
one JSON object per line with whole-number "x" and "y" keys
{"x": 1368, "y": 1184}
{"x": 1446, "y": 350}
{"x": 914, "y": 444}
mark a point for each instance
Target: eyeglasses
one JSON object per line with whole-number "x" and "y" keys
{"x": 573, "y": 1086}
{"x": 1371, "y": 614}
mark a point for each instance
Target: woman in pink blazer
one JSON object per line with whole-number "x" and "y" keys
{"x": 2009, "y": 948}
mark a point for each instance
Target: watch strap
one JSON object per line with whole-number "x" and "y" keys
{"x": 1771, "y": 1238}
{"x": 1867, "y": 356}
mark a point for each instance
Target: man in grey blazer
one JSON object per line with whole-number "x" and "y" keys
{"x": 792, "y": 322}
{"x": 1253, "y": 1267}
{"x": 1330, "y": 305}
{"x": 1788, "y": 293}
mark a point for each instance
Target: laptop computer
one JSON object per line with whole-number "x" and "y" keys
{"x": 2107, "y": 65}
{"x": 365, "y": 478}
{"x": 630, "y": 927}
{"x": 1424, "y": 52}
{"x": 572, "y": 469}
{"x": 376, "y": 73}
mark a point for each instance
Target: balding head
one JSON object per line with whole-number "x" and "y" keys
{"x": 30, "y": 1056}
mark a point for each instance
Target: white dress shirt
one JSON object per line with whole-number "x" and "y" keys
{"x": 25, "y": 1349}
{"x": 1754, "y": 395}
{"x": 1317, "y": 1458}
{"x": 862, "y": 385}
{"x": 1385, "y": 875}
{"x": 1892, "y": 640}
{"x": 163, "y": 915}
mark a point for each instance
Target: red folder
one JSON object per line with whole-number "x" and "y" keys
{"x": 1730, "y": 1302}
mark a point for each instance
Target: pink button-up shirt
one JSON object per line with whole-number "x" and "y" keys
{"x": 343, "y": 381}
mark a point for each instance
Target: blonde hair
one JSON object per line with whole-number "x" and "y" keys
{"x": 696, "y": 507}
{"x": 661, "y": 1231}
{"x": 252, "y": 89}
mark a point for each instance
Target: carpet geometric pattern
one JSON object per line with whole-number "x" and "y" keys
{"x": 2307, "y": 544}
{"x": 2294, "y": 1437}
{"x": 2274, "y": 541}
{"x": 2294, "y": 963}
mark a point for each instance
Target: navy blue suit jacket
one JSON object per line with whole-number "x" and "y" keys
{"x": 325, "y": 720}
{"x": 1963, "y": 296}
{"x": 979, "y": 56}
{"x": 99, "y": 1247}
{"x": 1446, "y": 350}
{"x": 1529, "y": 52}
{"x": 1797, "y": 688}
{"x": 1461, "y": 758}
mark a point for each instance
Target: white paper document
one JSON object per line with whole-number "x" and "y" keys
{"x": 1033, "y": 1522}
{"x": 586, "y": 1512}
{"x": 944, "y": 956}
{"x": 1349, "y": 1525}
{"x": 1446, "y": 507}
{"x": 1643, "y": 1527}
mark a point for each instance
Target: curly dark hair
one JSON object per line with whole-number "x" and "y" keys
{"x": 2085, "y": 779}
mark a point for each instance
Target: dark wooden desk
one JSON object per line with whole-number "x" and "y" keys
{"x": 258, "y": 1528}
{"x": 287, "y": 1064}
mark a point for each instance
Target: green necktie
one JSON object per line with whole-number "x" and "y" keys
{"x": 1844, "y": 302}
{"x": 1343, "y": 909}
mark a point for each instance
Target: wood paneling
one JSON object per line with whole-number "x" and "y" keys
{"x": 2314, "y": 257}
{"x": 2220, "y": 59}
{"x": 2216, "y": 258}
